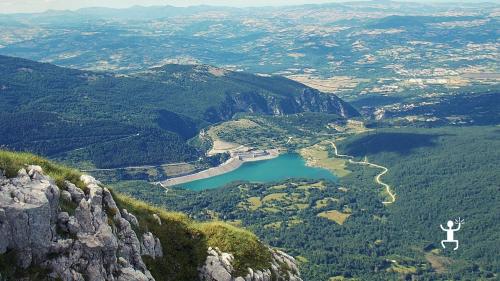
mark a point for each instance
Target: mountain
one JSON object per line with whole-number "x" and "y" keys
{"x": 57, "y": 224}
{"x": 150, "y": 12}
{"x": 397, "y": 21}
{"x": 108, "y": 120}
{"x": 226, "y": 93}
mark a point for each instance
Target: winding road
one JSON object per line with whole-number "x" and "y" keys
{"x": 377, "y": 177}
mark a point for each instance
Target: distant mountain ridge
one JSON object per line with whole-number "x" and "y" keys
{"x": 115, "y": 121}
{"x": 397, "y": 21}
{"x": 244, "y": 92}
{"x": 139, "y": 12}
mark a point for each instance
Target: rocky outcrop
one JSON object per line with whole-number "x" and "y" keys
{"x": 130, "y": 218}
{"x": 218, "y": 267}
{"x": 75, "y": 235}
{"x": 307, "y": 100}
{"x": 151, "y": 246}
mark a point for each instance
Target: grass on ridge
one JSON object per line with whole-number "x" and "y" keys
{"x": 185, "y": 241}
{"x": 12, "y": 162}
{"x": 248, "y": 251}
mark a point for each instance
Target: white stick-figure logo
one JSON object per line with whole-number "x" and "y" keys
{"x": 450, "y": 231}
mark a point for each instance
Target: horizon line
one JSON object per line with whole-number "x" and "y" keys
{"x": 429, "y": 2}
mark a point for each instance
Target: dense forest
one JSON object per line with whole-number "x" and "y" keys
{"x": 290, "y": 131}
{"x": 343, "y": 229}
{"x": 476, "y": 106}
{"x": 84, "y": 118}
{"x": 442, "y": 174}
{"x": 128, "y": 97}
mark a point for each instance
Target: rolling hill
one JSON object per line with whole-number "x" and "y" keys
{"x": 107, "y": 120}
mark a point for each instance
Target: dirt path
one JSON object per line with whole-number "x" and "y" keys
{"x": 377, "y": 177}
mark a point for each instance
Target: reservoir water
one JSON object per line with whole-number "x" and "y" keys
{"x": 283, "y": 167}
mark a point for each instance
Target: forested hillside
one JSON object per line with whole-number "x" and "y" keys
{"x": 104, "y": 120}
{"x": 343, "y": 229}
{"x": 443, "y": 174}
{"x": 335, "y": 138}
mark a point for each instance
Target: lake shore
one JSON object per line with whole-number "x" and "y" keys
{"x": 230, "y": 165}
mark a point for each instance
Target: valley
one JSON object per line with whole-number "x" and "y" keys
{"x": 111, "y": 126}
{"x": 317, "y": 142}
{"x": 377, "y": 177}
{"x": 336, "y": 216}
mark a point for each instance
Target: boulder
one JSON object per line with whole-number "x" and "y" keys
{"x": 130, "y": 218}
{"x": 214, "y": 268}
{"x": 68, "y": 246}
{"x": 76, "y": 193}
{"x": 218, "y": 267}
{"x": 151, "y": 246}
{"x": 157, "y": 218}
{"x": 66, "y": 196}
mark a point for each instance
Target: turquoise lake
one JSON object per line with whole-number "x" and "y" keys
{"x": 283, "y": 167}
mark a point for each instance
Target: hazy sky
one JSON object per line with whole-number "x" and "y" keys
{"x": 23, "y": 6}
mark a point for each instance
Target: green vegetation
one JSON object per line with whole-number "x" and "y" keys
{"x": 108, "y": 121}
{"x": 255, "y": 203}
{"x": 472, "y": 106}
{"x": 335, "y": 216}
{"x": 324, "y": 202}
{"x": 183, "y": 244}
{"x": 319, "y": 155}
{"x": 10, "y": 271}
{"x": 291, "y": 131}
{"x": 438, "y": 174}
{"x": 185, "y": 241}
{"x": 285, "y": 215}
{"x": 12, "y": 162}
{"x": 245, "y": 246}
{"x": 441, "y": 174}
{"x": 418, "y": 71}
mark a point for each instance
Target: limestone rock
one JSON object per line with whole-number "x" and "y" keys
{"x": 65, "y": 195}
{"x": 215, "y": 268}
{"x": 76, "y": 194}
{"x": 130, "y": 218}
{"x": 35, "y": 172}
{"x": 95, "y": 241}
{"x": 157, "y": 218}
{"x": 81, "y": 246}
{"x": 151, "y": 246}
{"x": 218, "y": 267}
{"x": 128, "y": 274}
